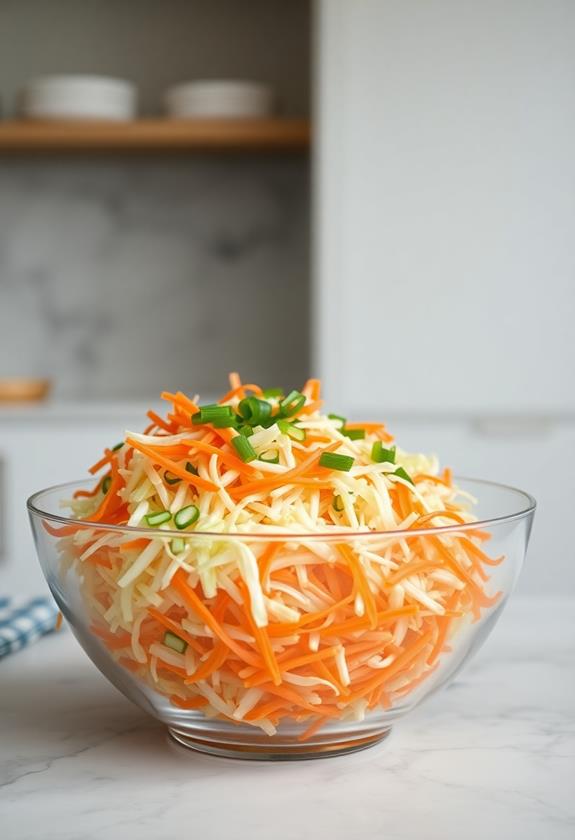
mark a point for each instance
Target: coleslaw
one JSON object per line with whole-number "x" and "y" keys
{"x": 254, "y": 593}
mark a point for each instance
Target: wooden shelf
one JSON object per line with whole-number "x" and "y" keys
{"x": 155, "y": 136}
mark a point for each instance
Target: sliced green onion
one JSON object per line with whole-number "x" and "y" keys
{"x": 244, "y": 448}
{"x": 254, "y": 411}
{"x": 380, "y": 454}
{"x": 170, "y": 478}
{"x": 337, "y": 503}
{"x": 335, "y": 461}
{"x": 270, "y": 456}
{"x": 226, "y": 421}
{"x": 106, "y": 484}
{"x": 353, "y": 434}
{"x": 154, "y": 519}
{"x": 174, "y": 642}
{"x": 273, "y": 392}
{"x": 190, "y": 468}
{"x": 186, "y": 516}
{"x": 269, "y": 421}
{"x": 338, "y": 417}
{"x": 177, "y": 545}
{"x": 402, "y": 474}
{"x": 246, "y": 431}
{"x": 211, "y": 413}
{"x": 291, "y": 430}
{"x": 117, "y": 446}
{"x": 291, "y": 404}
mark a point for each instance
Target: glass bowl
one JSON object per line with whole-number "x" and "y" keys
{"x": 340, "y": 676}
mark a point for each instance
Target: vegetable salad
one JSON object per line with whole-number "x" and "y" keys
{"x": 268, "y": 585}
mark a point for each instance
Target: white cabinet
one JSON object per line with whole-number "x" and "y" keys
{"x": 445, "y": 205}
{"x": 40, "y": 447}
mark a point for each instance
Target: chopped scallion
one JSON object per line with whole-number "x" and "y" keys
{"x": 270, "y": 456}
{"x": 191, "y": 469}
{"x": 254, "y": 411}
{"x": 291, "y": 404}
{"x": 170, "y": 478}
{"x": 186, "y": 517}
{"x": 174, "y": 642}
{"x": 353, "y": 434}
{"x": 226, "y": 421}
{"x": 211, "y": 413}
{"x": 177, "y": 545}
{"x": 337, "y": 503}
{"x": 291, "y": 430}
{"x": 244, "y": 448}
{"x": 273, "y": 392}
{"x": 335, "y": 461}
{"x": 245, "y": 430}
{"x": 338, "y": 418}
{"x": 380, "y": 454}
{"x": 106, "y": 484}
{"x": 401, "y": 473}
{"x": 155, "y": 519}
{"x": 117, "y": 446}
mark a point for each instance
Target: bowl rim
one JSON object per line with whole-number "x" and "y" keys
{"x": 529, "y": 506}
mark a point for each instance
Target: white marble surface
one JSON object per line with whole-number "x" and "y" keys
{"x": 493, "y": 756}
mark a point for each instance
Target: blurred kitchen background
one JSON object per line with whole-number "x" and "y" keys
{"x": 399, "y": 222}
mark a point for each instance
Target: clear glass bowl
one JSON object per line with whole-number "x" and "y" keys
{"x": 409, "y": 655}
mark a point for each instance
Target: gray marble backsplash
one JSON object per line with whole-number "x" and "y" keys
{"x": 122, "y": 277}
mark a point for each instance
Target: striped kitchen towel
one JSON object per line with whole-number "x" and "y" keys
{"x": 25, "y": 620}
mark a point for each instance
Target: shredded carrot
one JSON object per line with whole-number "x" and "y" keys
{"x": 181, "y": 472}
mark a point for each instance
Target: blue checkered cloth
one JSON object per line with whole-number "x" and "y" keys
{"x": 23, "y": 622}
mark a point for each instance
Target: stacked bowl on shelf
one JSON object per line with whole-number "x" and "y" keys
{"x": 89, "y": 97}
{"x": 79, "y": 98}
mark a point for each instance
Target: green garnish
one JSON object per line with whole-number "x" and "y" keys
{"x": 246, "y": 431}
{"x": 174, "y": 642}
{"x": 338, "y": 417}
{"x": 273, "y": 392}
{"x": 291, "y": 430}
{"x": 353, "y": 434}
{"x": 400, "y": 472}
{"x": 244, "y": 448}
{"x": 334, "y": 461}
{"x": 186, "y": 516}
{"x": 214, "y": 414}
{"x": 155, "y": 519}
{"x": 170, "y": 478}
{"x": 190, "y": 468}
{"x": 337, "y": 503}
{"x": 291, "y": 404}
{"x": 380, "y": 454}
{"x": 226, "y": 421}
{"x": 270, "y": 456}
{"x": 177, "y": 545}
{"x": 117, "y": 446}
{"x": 254, "y": 411}
{"x": 106, "y": 484}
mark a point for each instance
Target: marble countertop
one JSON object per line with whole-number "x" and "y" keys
{"x": 492, "y": 756}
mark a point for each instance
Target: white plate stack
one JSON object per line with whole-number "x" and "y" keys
{"x": 79, "y": 98}
{"x": 219, "y": 99}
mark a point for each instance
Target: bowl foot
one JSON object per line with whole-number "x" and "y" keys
{"x": 277, "y": 750}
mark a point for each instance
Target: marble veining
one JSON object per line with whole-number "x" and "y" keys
{"x": 492, "y": 756}
{"x": 119, "y": 278}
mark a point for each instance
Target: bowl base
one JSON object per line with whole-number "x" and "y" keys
{"x": 277, "y": 751}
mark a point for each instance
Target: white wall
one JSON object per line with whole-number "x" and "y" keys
{"x": 447, "y": 131}
{"x": 445, "y": 230}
